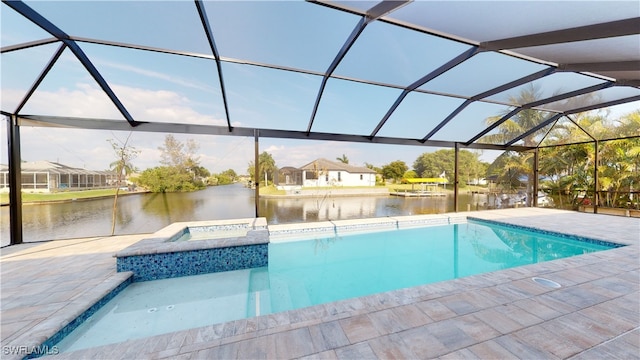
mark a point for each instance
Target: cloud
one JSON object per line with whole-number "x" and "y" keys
{"x": 84, "y": 100}
{"x": 89, "y": 101}
{"x": 90, "y": 149}
{"x": 300, "y": 152}
{"x": 161, "y": 76}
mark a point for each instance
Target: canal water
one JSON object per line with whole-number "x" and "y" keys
{"x": 147, "y": 213}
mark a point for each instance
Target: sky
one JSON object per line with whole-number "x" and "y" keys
{"x": 168, "y": 88}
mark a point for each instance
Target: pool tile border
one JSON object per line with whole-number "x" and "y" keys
{"x": 48, "y": 347}
{"x": 161, "y": 257}
{"x": 547, "y": 232}
{"x": 285, "y": 232}
{"x": 146, "y": 267}
{"x": 163, "y": 240}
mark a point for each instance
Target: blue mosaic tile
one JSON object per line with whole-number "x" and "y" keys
{"x": 547, "y": 232}
{"x": 185, "y": 263}
{"x": 62, "y": 333}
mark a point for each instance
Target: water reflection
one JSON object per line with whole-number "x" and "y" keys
{"x": 513, "y": 247}
{"x": 288, "y": 210}
{"x": 141, "y": 213}
{"x": 147, "y": 213}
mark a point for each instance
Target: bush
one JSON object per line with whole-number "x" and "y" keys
{"x": 164, "y": 179}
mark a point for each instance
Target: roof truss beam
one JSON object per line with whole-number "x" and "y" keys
{"x": 538, "y": 103}
{"x": 385, "y": 7}
{"x": 633, "y": 65}
{"x": 603, "y": 105}
{"x": 432, "y": 75}
{"x": 334, "y": 64}
{"x": 373, "y": 14}
{"x": 535, "y": 129}
{"x": 447, "y": 119}
{"x": 570, "y": 112}
{"x": 41, "y": 77}
{"x": 581, "y": 33}
{"x": 496, "y": 90}
{"x": 49, "y": 27}
{"x": 212, "y": 44}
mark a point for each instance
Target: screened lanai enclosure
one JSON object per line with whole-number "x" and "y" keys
{"x": 44, "y": 176}
{"x": 554, "y": 86}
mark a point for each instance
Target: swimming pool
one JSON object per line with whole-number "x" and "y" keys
{"x": 319, "y": 270}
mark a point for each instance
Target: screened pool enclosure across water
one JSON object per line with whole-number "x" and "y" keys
{"x": 319, "y": 270}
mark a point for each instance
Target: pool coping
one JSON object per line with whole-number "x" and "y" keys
{"x": 301, "y": 231}
{"x": 161, "y": 241}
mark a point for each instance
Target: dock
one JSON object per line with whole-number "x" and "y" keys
{"x": 419, "y": 194}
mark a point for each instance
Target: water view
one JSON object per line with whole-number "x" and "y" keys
{"x": 147, "y": 213}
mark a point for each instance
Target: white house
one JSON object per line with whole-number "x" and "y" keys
{"x": 322, "y": 172}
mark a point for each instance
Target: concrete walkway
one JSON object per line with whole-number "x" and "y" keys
{"x": 503, "y": 314}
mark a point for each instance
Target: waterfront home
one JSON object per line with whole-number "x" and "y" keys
{"x": 322, "y": 172}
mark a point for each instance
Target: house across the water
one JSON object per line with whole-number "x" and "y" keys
{"x": 48, "y": 176}
{"x": 323, "y": 173}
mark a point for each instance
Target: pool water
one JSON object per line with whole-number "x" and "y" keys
{"x": 316, "y": 271}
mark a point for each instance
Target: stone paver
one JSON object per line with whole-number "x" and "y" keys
{"x": 595, "y": 314}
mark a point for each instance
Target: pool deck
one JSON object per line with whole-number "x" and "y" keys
{"x": 503, "y": 314}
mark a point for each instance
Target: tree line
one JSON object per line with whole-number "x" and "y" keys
{"x": 567, "y": 171}
{"x": 567, "y": 153}
{"x": 180, "y": 168}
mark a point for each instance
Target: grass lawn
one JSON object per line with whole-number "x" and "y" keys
{"x": 271, "y": 190}
{"x": 268, "y": 190}
{"x": 403, "y": 187}
{"x": 66, "y": 195}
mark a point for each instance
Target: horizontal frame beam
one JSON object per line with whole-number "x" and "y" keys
{"x": 30, "y": 44}
{"x": 633, "y": 65}
{"x": 106, "y": 124}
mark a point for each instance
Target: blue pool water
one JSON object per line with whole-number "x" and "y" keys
{"x": 321, "y": 270}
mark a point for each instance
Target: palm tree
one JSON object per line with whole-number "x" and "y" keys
{"x": 266, "y": 166}
{"x": 571, "y": 167}
{"x": 344, "y": 159}
{"x": 122, "y": 166}
{"x": 527, "y": 119}
{"x": 519, "y": 123}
